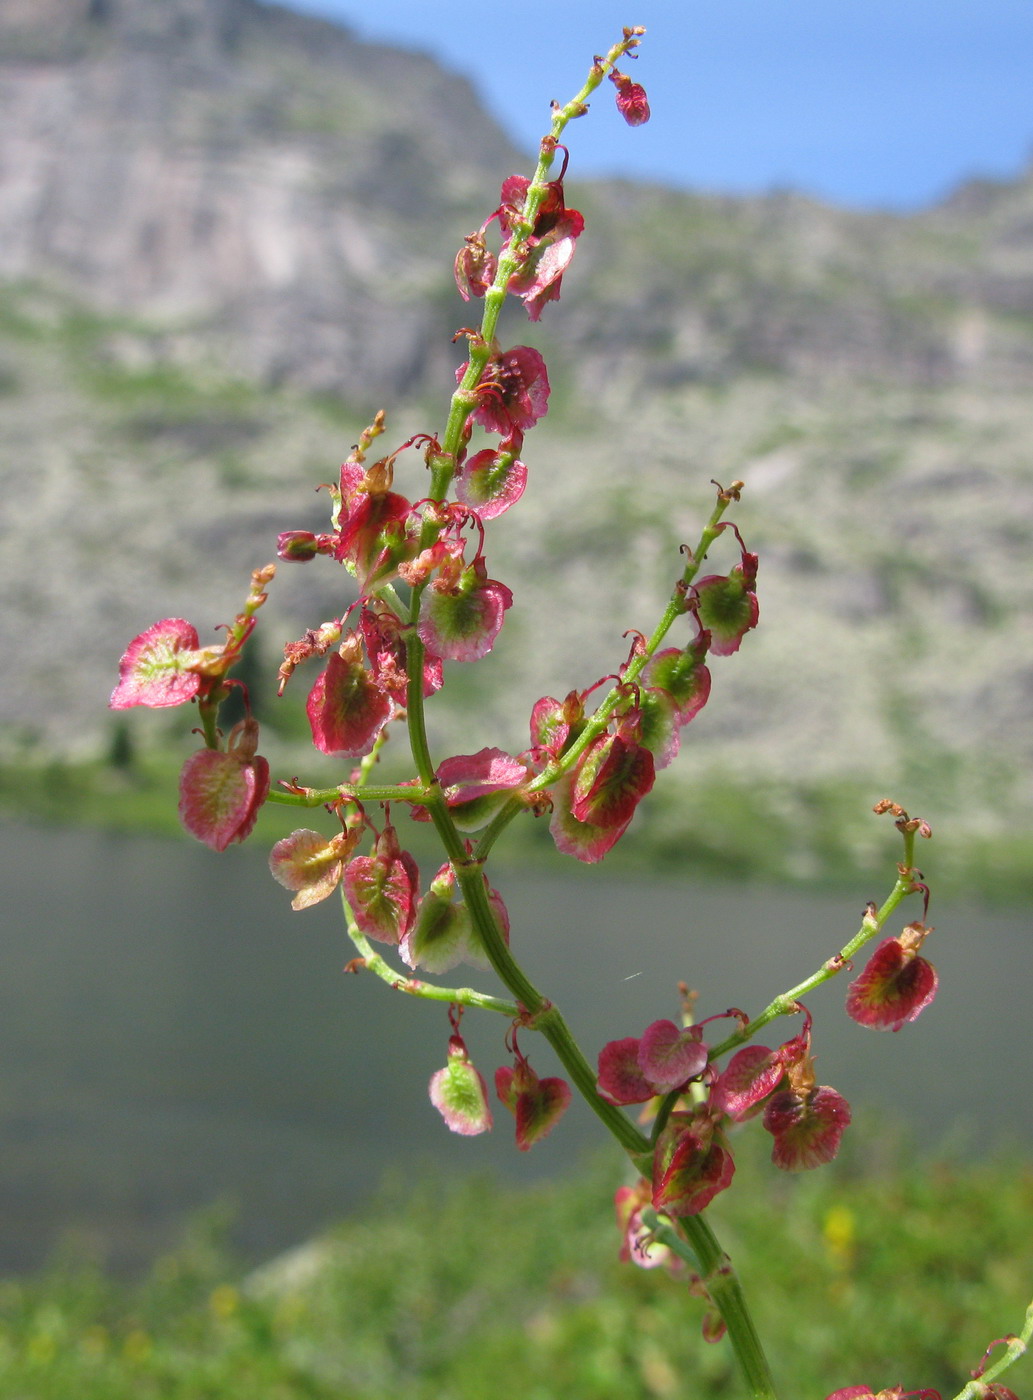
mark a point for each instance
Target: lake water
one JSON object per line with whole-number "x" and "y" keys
{"x": 172, "y": 1034}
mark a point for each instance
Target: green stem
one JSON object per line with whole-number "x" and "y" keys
{"x": 348, "y": 792}
{"x": 786, "y": 1004}
{"x": 462, "y": 996}
{"x": 1014, "y": 1348}
{"x": 675, "y": 609}
{"x": 537, "y": 1010}
{"x": 705, "y": 1256}
{"x": 209, "y": 717}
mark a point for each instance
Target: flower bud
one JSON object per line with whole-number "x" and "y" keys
{"x": 298, "y": 546}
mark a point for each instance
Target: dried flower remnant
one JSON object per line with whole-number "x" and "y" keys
{"x": 691, "y": 1163}
{"x": 669, "y": 1056}
{"x": 493, "y": 479}
{"x": 346, "y": 707}
{"x": 475, "y": 266}
{"x": 443, "y": 934}
{"x": 159, "y": 667}
{"x": 638, "y": 1244}
{"x": 748, "y": 1078}
{"x": 806, "y": 1120}
{"x": 549, "y": 249}
{"x": 612, "y": 778}
{"x": 463, "y": 611}
{"x": 166, "y": 666}
{"x": 305, "y": 861}
{"x": 384, "y": 635}
{"x": 373, "y": 539}
{"x": 755, "y": 1071}
{"x": 301, "y": 546}
{"x": 727, "y": 607}
{"x": 555, "y": 724}
{"x": 681, "y": 674}
{"x": 586, "y": 841}
{"x": 476, "y": 785}
{"x": 621, "y": 1080}
{"x": 664, "y": 1057}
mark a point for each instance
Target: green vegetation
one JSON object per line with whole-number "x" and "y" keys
{"x": 722, "y": 827}
{"x": 897, "y": 1272}
{"x": 141, "y": 800}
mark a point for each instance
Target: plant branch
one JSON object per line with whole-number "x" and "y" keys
{"x": 704, "y": 1255}
{"x": 787, "y": 1004}
{"x": 599, "y": 720}
{"x": 462, "y": 996}
{"x": 1014, "y": 1348}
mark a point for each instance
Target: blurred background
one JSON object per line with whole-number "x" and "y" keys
{"x": 226, "y": 238}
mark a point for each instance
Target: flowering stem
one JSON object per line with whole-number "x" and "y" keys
{"x": 443, "y": 464}
{"x": 787, "y": 1003}
{"x": 533, "y": 1008}
{"x": 537, "y": 1012}
{"x": 675, "y": 609}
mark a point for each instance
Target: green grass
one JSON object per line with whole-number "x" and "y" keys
{"x": 902, "y": 1271}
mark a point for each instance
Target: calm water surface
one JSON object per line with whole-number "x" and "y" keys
{"x": 172, "y": 1034}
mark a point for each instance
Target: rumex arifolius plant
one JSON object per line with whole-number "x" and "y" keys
{"x": 426, "y": 599}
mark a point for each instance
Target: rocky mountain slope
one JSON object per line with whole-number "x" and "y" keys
{"x": 226, "y": 234}
{"x": 238, "y": 175}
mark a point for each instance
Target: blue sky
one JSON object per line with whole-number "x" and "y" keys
{"x": 873, "y": 102}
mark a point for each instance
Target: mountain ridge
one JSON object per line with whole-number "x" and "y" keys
{"x": 211, "y": 283}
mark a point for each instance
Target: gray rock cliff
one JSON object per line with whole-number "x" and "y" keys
{"x": 259, "y": 185}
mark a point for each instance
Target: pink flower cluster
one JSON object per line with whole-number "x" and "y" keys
{"x": 692, "y": 1160}
{"x": 435, "y": 548}
{"x": 546, "y": 247}
{"x": 672, "y": 1069}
